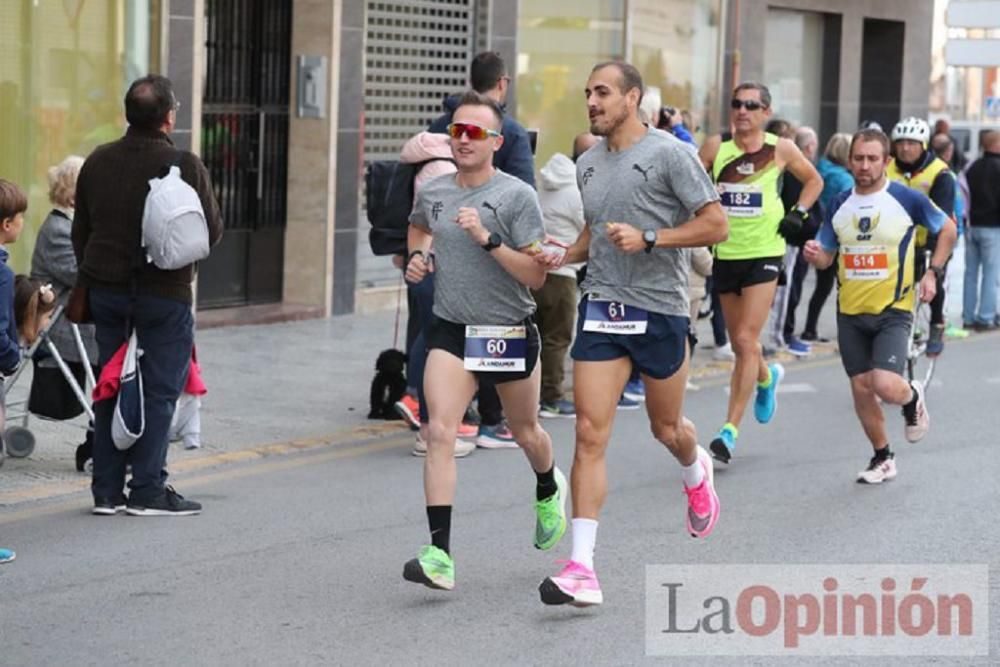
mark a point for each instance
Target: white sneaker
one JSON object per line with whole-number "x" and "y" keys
{"x": 919, "y": 422}
{"x": 462, "y": 447}
{"x": 878, "y": 471}
{"x": 724, "y": 353}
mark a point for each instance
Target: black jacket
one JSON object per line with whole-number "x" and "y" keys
{"x": 110, "y": 198}
{"x": 984, "y": 190}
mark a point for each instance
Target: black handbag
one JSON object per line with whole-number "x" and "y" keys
{"x": 51, "y": 396}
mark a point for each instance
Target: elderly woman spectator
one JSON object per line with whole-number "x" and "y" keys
{"x": 53, "y": 262}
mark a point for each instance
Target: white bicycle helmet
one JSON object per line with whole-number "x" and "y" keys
{"x": 914, "y": 129}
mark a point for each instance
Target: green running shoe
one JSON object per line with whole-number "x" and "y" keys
{"x": 551, "y": 515}
{"x": 433, "y": 568}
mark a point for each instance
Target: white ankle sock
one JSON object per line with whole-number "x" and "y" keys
{"x": 692, "y": 474}
{"x": 584, "y": 539}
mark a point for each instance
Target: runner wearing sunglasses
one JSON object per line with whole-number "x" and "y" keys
{"x": 485, "y": 226}
{"x": 646, "y": 200}
{"x": 747, "y": 171}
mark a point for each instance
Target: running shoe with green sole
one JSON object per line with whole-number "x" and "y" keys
{"x": 433, "y": 568}
{"x": 551, "y": 515}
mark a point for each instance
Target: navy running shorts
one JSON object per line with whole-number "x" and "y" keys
{"x": 658, "y": 353}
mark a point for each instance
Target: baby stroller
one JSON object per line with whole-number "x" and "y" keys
{"x": 59, "y": 390}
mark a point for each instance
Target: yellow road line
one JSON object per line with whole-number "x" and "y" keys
{"x": 75, "y": 504}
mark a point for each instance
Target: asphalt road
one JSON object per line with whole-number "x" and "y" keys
{"x": 297, "y": 559}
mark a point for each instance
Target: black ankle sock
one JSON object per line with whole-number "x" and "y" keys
{"x": 883, "y": 454}
{"x": 439, "y": 519}
{"x": 912, "y": 403}
{"x": 546, "y": 483}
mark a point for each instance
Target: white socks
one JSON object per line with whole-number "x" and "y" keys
{"x": 693, "y": 474}
{"x": 584, "y": 539}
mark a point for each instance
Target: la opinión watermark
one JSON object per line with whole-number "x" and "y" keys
{"x": 817, "y": 609}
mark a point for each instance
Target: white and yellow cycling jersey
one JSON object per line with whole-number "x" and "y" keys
{"x": 874, "y": 235}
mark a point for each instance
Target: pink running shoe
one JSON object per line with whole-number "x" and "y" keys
{"x": 466, "y": 430}
{"x": 576, "y": 585}
{"x": 703, "y": 503}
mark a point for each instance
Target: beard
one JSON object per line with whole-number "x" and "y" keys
{"x": 611, "y": 123}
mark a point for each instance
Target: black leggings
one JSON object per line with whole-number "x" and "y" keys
{"x": 825, "y": 279}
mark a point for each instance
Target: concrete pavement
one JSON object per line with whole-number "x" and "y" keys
{"x": 297, "y": 559}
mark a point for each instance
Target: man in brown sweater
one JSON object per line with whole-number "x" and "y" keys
{"x": 125, "y": 291}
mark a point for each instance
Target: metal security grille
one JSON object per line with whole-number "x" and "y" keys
{"x": 417, "y": 52}
{"x": 245, "y": 119}
{"x": 245, "y": 147}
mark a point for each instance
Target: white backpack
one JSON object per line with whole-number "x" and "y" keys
{"x": 174, "y": 230}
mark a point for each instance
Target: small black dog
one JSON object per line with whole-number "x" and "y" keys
{"x": 388, "y": 385}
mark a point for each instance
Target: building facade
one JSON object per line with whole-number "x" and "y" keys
{"x": 287, "y": 101}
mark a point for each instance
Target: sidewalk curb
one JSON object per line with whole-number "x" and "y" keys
{"x": 348, "y": 437}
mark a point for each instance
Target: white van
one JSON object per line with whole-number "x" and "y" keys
{"x": 967, "y": 133}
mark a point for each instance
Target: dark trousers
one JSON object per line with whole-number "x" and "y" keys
{"x": 794, "y": 295}
{"x": 555, "y": 315}
{"x": 420, "y": 297}
{"x": 165, "y": 330}
{"x": 824, "y": 285}
{"x": 719, "y": 334}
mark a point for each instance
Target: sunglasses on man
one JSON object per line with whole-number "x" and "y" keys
{"x": 749, "y": 105}
{"x": 471, "y": 130}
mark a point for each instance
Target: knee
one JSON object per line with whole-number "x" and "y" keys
{"x": 666, "y": 432}
{"x": 745, "y": 344}
{"x": 863, "y": 386}
{"x": 439, "y": 433}
{"x": 590, "y": 439}
{"x": 887, "y": 386}
{"x": 526, "y": 434}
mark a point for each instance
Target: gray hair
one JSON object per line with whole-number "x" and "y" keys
{"x": 765, "y": 94}
{"x": 62, "y": 181}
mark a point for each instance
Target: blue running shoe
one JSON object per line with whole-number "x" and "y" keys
{"x": 6, "y": 555}
{"x": 560, "y": 408}
{"x": 724, "y": 443}
{"x": 799, "y": 347}
{"x": 635, "y": 390}
{"x": 767, "y": 397}
{"x": 626, "y": 403}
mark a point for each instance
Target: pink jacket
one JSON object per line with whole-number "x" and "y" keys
{"x": 427, "y": 146}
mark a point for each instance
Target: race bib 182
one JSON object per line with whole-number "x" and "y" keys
{"x": 741, "y": 201}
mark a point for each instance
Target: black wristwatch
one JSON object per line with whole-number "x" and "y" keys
{"x": 938, "y": 271}
{"x": 649, "y": 236}
{"x": 804, "y": 212}
{"x": 494, "y": 242}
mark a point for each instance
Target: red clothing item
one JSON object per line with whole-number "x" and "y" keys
{"x": 107, "y": 384}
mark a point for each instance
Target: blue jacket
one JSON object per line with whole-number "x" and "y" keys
{"x": 514, "y": 157}
{"x": 10, "y": 349}
{"x": 836, "y": 179}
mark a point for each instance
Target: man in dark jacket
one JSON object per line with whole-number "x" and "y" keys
{"x": 488, "y": 75}
{"x": 126, "y": 292}
{"x": 982, "y": 243}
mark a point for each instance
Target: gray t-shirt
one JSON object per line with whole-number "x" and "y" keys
{"x": 659, "y": 182}
{"x": 470, "y": 286}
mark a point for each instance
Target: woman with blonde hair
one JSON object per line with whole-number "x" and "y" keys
{"x": 53, "y": 262}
